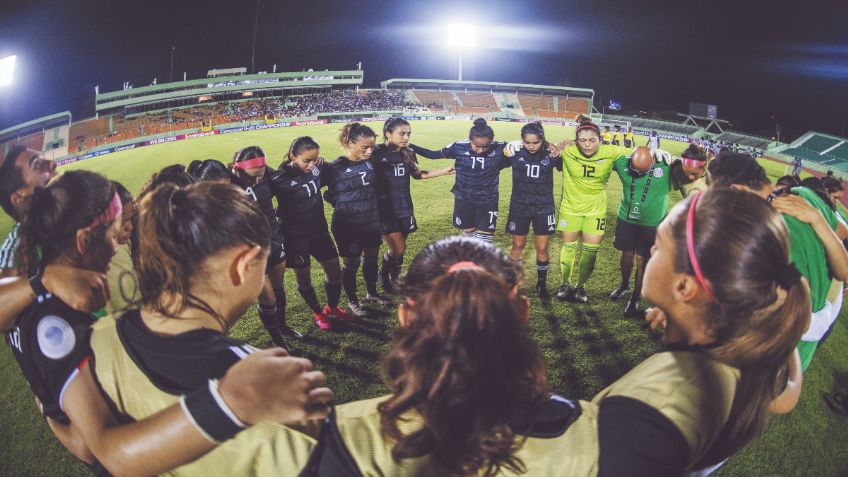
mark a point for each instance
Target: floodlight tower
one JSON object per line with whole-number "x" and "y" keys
{"x": 462, "y": 38}
{"x": 7, "y": 69}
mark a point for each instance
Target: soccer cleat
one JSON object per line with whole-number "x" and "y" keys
{"x": 378, "y": 299}
{"x": 542, "y": 291}
{"x": 620, "y": 292}
{"x": 278, "y": 339}
{"x": 632, "y": 309}
{"x": 356, "y": 309}
{"x": 386, "y": 280}
{"x": 289, "y": 331}
{"x": 563, "y": 293}
{"x": 322, "y": 320}
{"x": 337, "y": 313}
{"x": 579, "y": 295}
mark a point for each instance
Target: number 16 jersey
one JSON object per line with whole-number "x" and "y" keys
{"x": 584, "y": 179}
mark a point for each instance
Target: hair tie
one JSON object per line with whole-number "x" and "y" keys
{"x": 462, "y": 266}
{"x": 112, "y": 210}
{"x": 788, "y": 277}
{"x": 690, "y": 245}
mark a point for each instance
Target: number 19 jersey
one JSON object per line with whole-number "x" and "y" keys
{"x": 584, "y": 178}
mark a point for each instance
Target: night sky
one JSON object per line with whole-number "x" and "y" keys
{"x": 755, "y": 59}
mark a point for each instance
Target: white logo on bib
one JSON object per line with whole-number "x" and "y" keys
{"x": 658, "y": 173}
{"x": 55, "y": 337}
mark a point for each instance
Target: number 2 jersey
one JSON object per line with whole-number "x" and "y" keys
{"x": 352, "y": 191}
{"x": 532, "y": 183}
{"x": 584, "y": 179}
{"x": 477, "y": 175}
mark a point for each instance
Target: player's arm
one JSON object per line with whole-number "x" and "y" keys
{"x": 417, "y": 173}
{"x": 267, "y": 386}
{"x": 787, "y": 399}
{"x": 82, "y": 290}
{"x": 837, "y": 256}
{"x": 443, "y": 153}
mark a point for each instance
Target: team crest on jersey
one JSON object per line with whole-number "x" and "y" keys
{"x": 316, "y": 172}
{"x": 658, "y": 173}
{"x": 56, "y": 338}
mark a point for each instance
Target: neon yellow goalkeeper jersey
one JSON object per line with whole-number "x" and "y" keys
{"x": 583, "y": 179}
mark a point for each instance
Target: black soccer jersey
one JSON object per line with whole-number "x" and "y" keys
{"x": 298, "y": 194}
{"x": 352, "y": 191}
{"x": 533, "y": 182}
{"x": 261, "y": 193}
{"x": 49, "y": 341}
{"x": 183, "y": 362}
{"x": 393, "y": 172}
{"x": 476, "y": 175}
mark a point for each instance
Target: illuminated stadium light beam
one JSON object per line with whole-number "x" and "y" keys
{"x": 462, "y": 38}
{"x": 7, "y": 69}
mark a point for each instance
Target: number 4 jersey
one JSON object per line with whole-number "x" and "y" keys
{"x": 584, "y": 179}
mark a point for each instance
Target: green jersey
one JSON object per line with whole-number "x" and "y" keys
{"x": 584, "y": 178}
{"x": 644, "y": 200}
{"x": 806, "y": 249}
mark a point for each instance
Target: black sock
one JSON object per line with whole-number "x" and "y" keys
{"x": 369, "y": 272}
{"x": 310, "y": 298}
{"x": 397, "y": 264}
{"x": 280, "y": 295}
{"x": 349, "y": 280}
{"x": 334, "y": 291}
{"x": 268, "y": 315}
{"x": 542, "y": 271}
{"x": 386, "y": 267}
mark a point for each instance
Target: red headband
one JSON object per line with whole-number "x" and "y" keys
{"x": 589, "y": 126}
{"x": 112, "y": 210}
{"x": 692, "y": 162}
{"x": 251, "y": 163}
{"x": 690, "y": 245}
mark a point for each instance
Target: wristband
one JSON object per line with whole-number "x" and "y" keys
{"x": 207, "y": 410}
{"x": 37, "y": 286}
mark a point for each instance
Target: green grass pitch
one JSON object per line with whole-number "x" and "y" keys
{"x": 586, "y": 346}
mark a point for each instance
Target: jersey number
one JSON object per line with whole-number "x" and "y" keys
{"x": 602, "y": 223}
{"x": 311, "y": 188}
{"x": 532, "y": 170}
{"x": 399, "y": 170}
{"x": 364, "y": 182}
{"x": 588, "y": 171}
{"x": 480, "y": 160}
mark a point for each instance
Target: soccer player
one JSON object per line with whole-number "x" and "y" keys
{"x": 586, "y": 168}
{"x": 645, "y": 185}
{"x": 251, "y": 173}
{"x": 297, "y": 186}
{"x": 815, "y": 247}
{"x": 628, "y": 137}
{"x": 653, "y": 141}
{"x": 123, "y": 285}
{"x": 616, "y": 136}
{"x": 395, "y": 164}
{"x": 351, "y": 190}
{"x": 607, "y": 137}
{"x": 21, "y": 171}
{"x": 73, "y": 221}
{"x": 478, "y": 163}
{"x": 797, "y": 166}
{"x": 689, "y": 173}
{"x": 532, "y": 200}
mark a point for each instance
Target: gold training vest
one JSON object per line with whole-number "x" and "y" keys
{"x": 263, "y": 449}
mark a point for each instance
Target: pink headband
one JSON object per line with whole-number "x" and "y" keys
{"x": 690, "y": 245}
{"x": 588, "y": 126}
{"x": 462, "y": 266}
{"x": 112, "y": 210}
{"x": 251, "y": 163}
{"x": 692, "y": 162}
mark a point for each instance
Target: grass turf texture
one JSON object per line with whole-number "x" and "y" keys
{"x": 586, "y": 346}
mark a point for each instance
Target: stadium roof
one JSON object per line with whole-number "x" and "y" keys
{"x": 36, "y": 125}
{"x": 485, "y": 86}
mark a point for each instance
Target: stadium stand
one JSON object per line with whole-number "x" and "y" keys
{"x": 744, "y": 139}
{"x": 819, "y": 148}
{"x": 436, "y": 100}
{"x": 657, "y": 125}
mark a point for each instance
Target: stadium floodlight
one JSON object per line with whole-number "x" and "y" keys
{"x": 7, "y": 68}
{"x": 462, "y": 38}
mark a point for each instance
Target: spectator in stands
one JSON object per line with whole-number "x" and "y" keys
{"x": 816, "y": 249}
